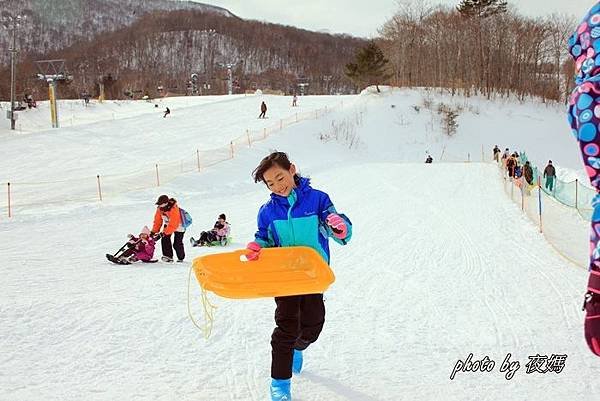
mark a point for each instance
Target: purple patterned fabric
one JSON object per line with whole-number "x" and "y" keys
{"x": 584, "y": 118}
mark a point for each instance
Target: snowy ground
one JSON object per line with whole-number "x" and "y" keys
{"x": 442, "y": 264}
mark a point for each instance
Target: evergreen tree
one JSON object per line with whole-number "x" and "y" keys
{"x": 369, "y": 68}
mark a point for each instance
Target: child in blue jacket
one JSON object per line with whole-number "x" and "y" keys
{"x": 296, "y": 215}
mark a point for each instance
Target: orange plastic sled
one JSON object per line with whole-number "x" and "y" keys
{"x": 277, "y": 272}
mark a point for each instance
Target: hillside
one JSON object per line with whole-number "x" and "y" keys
{"x": 441, "y": 264}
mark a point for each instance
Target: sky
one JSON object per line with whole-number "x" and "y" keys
{"x": 363, "y": 18}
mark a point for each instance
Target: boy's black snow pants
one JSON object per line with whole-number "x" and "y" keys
{"x": 167, "y": 248}
{"x": 299, "y": 320}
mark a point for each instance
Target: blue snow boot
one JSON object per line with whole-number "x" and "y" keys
{"x": 280, "y": 390}
{"x": 297, "y": 364}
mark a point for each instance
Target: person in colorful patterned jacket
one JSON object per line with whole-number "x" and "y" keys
{"x": 295, "y": 215}
{"x": 584, "y": 118}
{"x": 168, "y": 216}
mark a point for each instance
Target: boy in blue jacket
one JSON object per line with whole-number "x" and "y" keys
{"x": 296, "y": 215}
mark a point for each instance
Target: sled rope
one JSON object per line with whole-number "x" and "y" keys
{"x": 209, "y": 308}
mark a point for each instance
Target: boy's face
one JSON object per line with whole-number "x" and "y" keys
{"x": 279, "y": 180}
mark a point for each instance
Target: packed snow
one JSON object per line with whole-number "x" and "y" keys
{"x": 442, "y": 263}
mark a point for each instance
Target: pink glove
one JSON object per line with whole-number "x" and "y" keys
{"x": 253, "y": 250}
{"x": 338, "y": 225}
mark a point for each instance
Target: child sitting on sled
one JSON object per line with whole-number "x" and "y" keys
{"x": 219, "y": 233}
{"x": 140, "y": 248}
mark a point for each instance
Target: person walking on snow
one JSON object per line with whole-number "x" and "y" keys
{"x": 528, "y": 173}
{"x": 294, "y": 101}
{"x": 549, "y": 174}
{"x": 167, "y": 112}
{"x": 296, "y": 214}
{"x": 496, "y": 153}
{"x": 263, "y": 110}
{"x": 168, "y": 216}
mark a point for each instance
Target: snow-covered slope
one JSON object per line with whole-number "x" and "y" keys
{"x": 436, "y": 268}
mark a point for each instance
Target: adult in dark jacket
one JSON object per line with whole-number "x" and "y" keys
{"x": 528, "y": 173}
{"x": 549, "y": 174}
{"x": 263, "y": 110}
{"x": 511, "y": 163}
{"x": 496, "y": 153}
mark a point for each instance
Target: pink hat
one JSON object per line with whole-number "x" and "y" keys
{"x": 145, "y": 230}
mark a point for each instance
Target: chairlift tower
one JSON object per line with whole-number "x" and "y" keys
{"x": 12, "y": 22}
{"x": 52, "y": 71}
{"x": 229, "y": 67}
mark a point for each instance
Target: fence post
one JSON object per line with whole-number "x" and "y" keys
{"x": 265, "y": 133}
{"x": 248, "y": 135}
{"x": 512, "y": 190}
{"x": 522, "y": 194}
{"x": 576, "y": 185}
{"x": 198, "y": 159}
{"x": 231, "y": 145}
{"x": 482, "y": 154}
{"x": 296, "y": 117}
{"x": 540, "y": 201}
{"x": 469, "y": 157}
{"x": 157, "y": 176}
{"x": 9, "y": 211}
{"x": 99, "y": 187}
{"x": 281, "y": 124}
{"x": 316, "y": 114}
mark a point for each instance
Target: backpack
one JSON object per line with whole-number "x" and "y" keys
{"x": 186, "y": 218}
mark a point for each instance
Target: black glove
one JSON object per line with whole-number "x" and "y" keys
{"x": 157, "y": 236}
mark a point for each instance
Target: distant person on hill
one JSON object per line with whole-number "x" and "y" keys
{"x": 528, "y": 173}
{"x": 496, "y": 153}
{"x": 549, "y": 174}
{"x": 263, "y": 110}
{"x": 429, "y": 159}
{"x": 167, "y": 112}
{"x": 511, "y": 163}
{"x": 294, "y": 101}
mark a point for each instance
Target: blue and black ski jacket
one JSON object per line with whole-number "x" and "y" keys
{"x": 299, "y": 220}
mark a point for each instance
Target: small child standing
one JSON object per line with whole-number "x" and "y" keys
{"x": 295, "y": 215}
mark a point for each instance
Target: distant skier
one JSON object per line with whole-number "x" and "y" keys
{"x": 549, "y": 174}
{"x": 584, "y": 121}
{"x": 295, "y": 214}
{"x": 429, "y": 159}
{"x": 294, "y": 101}
{"x": 263, "y": 110}
{"x": 167, "y": 112}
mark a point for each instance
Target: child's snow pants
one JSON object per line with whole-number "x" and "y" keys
{"x": 299, "y": 320}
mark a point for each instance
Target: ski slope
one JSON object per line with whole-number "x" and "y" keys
{"x": 442, "y": 264}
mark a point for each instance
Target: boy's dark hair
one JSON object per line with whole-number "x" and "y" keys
{"x": 279, "y": 159}
{"x": 222, "y": 216}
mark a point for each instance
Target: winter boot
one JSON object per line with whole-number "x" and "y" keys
{"x": 193, "y": 242}
{"x": 167, "y": 259}
{"x": 297, "y": 363}
{"x": 280, "y": 390}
